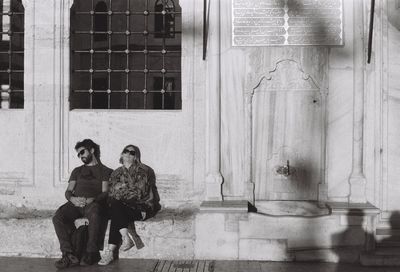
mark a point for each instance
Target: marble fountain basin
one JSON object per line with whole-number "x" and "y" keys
{"x": 292, "y": 208}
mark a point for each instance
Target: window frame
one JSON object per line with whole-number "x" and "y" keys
{"x": 146, "y": 92}
{"x": 6, "y": 93}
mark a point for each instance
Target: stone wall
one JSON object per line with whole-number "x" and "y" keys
{"x": 37, "y": 143}
{"x": 251, "y": 236}
{"x": 30, "y": 233}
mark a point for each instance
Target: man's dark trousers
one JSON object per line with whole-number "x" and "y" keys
{"x": 64, "y": 219}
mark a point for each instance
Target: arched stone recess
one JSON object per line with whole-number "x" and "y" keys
{"x": 285, "y": 135}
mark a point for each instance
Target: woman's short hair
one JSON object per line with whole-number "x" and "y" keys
{"x": 137, "y": 153}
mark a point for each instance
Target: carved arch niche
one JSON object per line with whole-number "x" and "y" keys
{"x": 286, "y": 134}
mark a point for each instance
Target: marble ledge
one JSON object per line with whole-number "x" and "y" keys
{"x": 235, "y": 206}
{"x": 355, "y": 209}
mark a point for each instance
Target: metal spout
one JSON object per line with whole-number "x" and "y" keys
{"x": 285, "y": 170}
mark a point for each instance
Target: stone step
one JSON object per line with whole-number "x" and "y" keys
{"x": 374, "y": 259}
{"x": 292, "y": 208}
{"x": 169, "y": 235}
{"x": 388, "y": 251}
{"x": 264, "y": 249}
{"x": 388, "y": 232}
{"x": 335, "y": 255}
{"x": 291, "y": 228}
{"x": 388, "y": 243}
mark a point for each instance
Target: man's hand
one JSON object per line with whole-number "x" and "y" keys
{"x": 89, "y": 200}
{"x": 78, "y": 201}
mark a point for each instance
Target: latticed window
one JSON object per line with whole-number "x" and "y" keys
{"x": 125, "y": 54}
{"x": 11, "y": 54}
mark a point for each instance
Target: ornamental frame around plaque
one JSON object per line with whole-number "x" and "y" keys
{"x": 283, "y": 38}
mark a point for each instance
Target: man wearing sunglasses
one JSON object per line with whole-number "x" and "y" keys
{"x": 86, "y": 194}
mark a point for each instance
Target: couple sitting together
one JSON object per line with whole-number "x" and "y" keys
{"x": 97, "y": 193}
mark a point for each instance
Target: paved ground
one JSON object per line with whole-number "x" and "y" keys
{"x": 140, "y": 265}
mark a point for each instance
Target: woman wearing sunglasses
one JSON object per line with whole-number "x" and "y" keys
{"x": 132, "y": 196}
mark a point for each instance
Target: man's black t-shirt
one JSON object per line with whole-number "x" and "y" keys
{"x": 89, "y": 179}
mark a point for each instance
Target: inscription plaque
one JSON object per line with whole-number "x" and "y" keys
{"x": 287, "y": 22}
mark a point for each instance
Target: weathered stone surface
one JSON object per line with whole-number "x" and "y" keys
{"x": 22, "y": 212}
{"x": 169, "y": 235}
{"x": 212, "y": 240}
{"x": 173, "y": 248}
{"x": 303, "y": 232}
{"x": 169, "y": 223}
{"x": 291, "y": 208}
{"x": 28, "y": 237}
{"x": 335, "y": 255}
{"x": 264, "y": 249}
{"x": 371, "y": 259}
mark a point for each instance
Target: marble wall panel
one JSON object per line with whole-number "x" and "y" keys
{"x": 392, "y": 173}
{"x": 12, "y": 134}
{"x": 233, "y": 72}
{"x": 339, "y": 125}
{"x": 287, "y": 131}
{"x": 300, "y": 233}
{"x": 154, "y": 133}
{"x": 47, "y": 131}
{"x": 339, "y": 133}
{"x": 241, "y": 71}
{"x": 393, "y": 189}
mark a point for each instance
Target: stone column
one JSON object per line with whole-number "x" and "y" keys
{"x": 213, "y": 105}
{"x": 357, "y": 179}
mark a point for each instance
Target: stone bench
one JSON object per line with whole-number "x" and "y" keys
{"x": 30, "y": 233}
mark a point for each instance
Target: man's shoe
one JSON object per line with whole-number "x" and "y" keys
{"x": 67, "y": 260}
{"x": 90, "y": 258}
{"x": 107, "y": 258}
{"x": 127, "y": 243}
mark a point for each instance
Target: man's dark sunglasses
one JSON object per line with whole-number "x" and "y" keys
{"x": 80, "y": 153}
{"x": 132, "y": 152}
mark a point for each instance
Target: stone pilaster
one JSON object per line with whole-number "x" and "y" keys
{"x": 357, "y": 178}
{"x": 213, "y": 106}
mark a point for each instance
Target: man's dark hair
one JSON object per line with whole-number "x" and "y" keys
{"x": 89, "y": 144}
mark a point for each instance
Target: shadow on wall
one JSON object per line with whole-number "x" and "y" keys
{"x": 394, "y": 237}
{"x": 393, "y": 13}
{"x": 303, "y": 176}
{"x": 349, "y": 243}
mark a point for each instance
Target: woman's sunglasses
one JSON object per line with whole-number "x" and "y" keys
{"x": 132, "y": 152}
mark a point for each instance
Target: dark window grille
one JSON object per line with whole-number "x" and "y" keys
{"x": 164, "y": 20}
{"x": 11, "y": 54}
{"x": 100, "y": 22}
{"x": 125, "y": 54}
